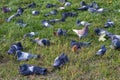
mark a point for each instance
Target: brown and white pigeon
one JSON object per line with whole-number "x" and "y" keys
{"x": 81, "y": 33}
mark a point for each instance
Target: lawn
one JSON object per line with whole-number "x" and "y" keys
{"x": 82, "y": 65}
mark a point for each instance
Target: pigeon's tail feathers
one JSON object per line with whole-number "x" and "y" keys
{"x": 76, "y": 31}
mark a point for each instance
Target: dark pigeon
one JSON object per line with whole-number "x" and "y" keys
{"x": 26, "y": 70}
{"x": 83, "y": 6}
{"x": 15, "y": 47}
{"x": 68, "y": 14}
{"x": 35, "y": 12}
{"x": 49, "y": 5}
{"x": 18, "y": 13}
{"x": 109, "y": 23}
{"x": 60, "y": 60}
{"x": 115, "y": 43}
{"x": 101, "y": 51}
{"x": 60, "y": 32}
{"x": 32, "y": 5}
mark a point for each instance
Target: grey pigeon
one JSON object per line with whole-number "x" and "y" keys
{"x": 21, "y": 56}
{"x": 115, "y": 43}
{"x": 109, "y": 23}
{"x": 60, "y": 60}
{"x": 42, "y": 42}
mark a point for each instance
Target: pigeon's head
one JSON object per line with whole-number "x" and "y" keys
{"x": 59, "y": 31}
{"x": 46, "y": 42}
{"x": 12, "y": 49}
{"x": 23, "y": 67}
{"x": 82, "y": 3}
{"x": 97, "y": 31}
{"x": 19, "y": 44}
{"x": 103, "y": 46}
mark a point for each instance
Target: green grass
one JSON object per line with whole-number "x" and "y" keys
{"x": 83, "y": 65}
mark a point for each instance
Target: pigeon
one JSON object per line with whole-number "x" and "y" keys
{"x": 115, "y": 43}
{"x": 60, "y": 32}
{"x": 117, "y": 36}
{"x": 53, "y": 12}
{"x": 21, "y": 23}
{"x": 94, "y": 8}
{"x": 32, "y": 5}
{"x": 81, "y": 33}
{"x": 42, "y": 42}
{"x": 35, "y": 12}
{"x": 45, "y": 23}
{"x": 60, "y": 60}
{"x": 26, "y": 69}
{"x": 13, "y": 48}
{"x": 75, "y": 45}
{"x": 21, "y": 56}
{"x": 109, "y": 23}
{"x": 101, "y": 51}
{"x": 83, "y": 3}
{"x": 18, "y": 13}
{"x": 5, "y": 9}
{"x": 54, "y": 20}
{"x": 31, "y": 34}
{"x": 83, "y": 23}
{"x": 67, "y": 4}
{"x": 94, "y": 5}
{"x": 49, "y": 5}
{"x": 99, "y": 32}
{"x": 63, "y": 1}
{"x": 83, "y": 7}
{"x": 78, "y": 45}
{"x": 68, "y": 14}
